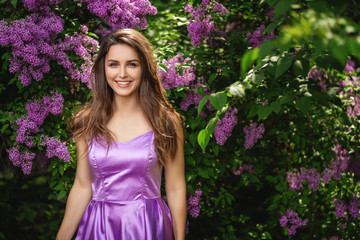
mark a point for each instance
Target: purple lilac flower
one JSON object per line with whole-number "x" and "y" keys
{"x": 55, "y": 148}
{"x": 350, "y": 66}
{"x": 252, "y": 134}
{"x": 340, "y": 163}
{"x": 38, "y": 110}
{"x": 247, "y": 167}
{"x": 122, "y": 13}
{"x": 173, "y": 79}
{"x": 194, "y": 97}
{"x": 326, "y": 177}
{"x": 200, "y": 22}
{"x": 83, "y": 46}
{"x": 269, "y": 12}
{"x": 340, "y": 208}
{"x": 312, "y": 177}
{"x": 295, "y": 180}
{"x": 35, "y": 5}
{"x": 256, "y": 38}
{"x": 319, "y": 75}
{"x": 31, "y": 42}
{"x": 353, "y": 207}
{"x": 291, "y": 221}
{"x": 33, "y": 46}
{"x": 21, "y": 159}
{"x": 54, "y": 104}
{"x": 225, "y": 126}
{"x": 26, "y": 126}
{"x": 193, "y": 201}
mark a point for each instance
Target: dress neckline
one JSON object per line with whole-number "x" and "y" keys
{"x": 133, "y": 139}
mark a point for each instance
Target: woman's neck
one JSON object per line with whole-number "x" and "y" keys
{"x": 126, "y": 105}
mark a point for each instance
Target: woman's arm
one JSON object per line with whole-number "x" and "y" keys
{"x": 176, "y": 187}
{"x": 80, "y": 195}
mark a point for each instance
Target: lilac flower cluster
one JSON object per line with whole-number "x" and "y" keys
{"x": 353, "y": 207}
{"x": 35, "y": 5}
{"x": 122, "y": 13}
{"x": 335, "y": 169}
{"x": 256, "y": 38}
{"x": 193, "y": 206}
{"x": 33, "y": 46}
{"x": 247, "y": 167}
{"x": 26, "y": 126}
{"x": 340, "y": 164}
{"x": 194, "y": 97}
{"x": 55, "y": 148}
{"x": 201, "y": 24}
{"x": 83, "y": 46}
{"x": 319, "y": 75}
{"x": 292, "y": 221}
{"x": 23, "y": 159}
{"x": 38, "y": 110}
{"x": 252, "y": 134}
{"x": 172, "y": 78}
{"x": 296, "y": 179}
{"x": 349, "y": 92}
{"x": 225, "y": 126}
{"x": 31, "y": 42}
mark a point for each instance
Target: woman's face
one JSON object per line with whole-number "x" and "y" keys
{"x": 123, "y": 70}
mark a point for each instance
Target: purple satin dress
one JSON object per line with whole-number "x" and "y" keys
{"x": 126, "y": 202}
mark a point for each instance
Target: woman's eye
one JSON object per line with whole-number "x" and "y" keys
{"x": 112, "y": 64}
{"x": 132, "y": 64}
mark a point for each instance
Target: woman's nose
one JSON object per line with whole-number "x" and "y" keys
{"x": 122, "y": 72}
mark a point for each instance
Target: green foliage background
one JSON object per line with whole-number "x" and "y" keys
{"x": 302, "y": 122}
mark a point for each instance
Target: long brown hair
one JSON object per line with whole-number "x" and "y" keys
{"x": 90, "y": 122}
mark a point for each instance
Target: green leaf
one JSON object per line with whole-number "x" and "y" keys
{"x": 4, "y": 128}
{"x": 265, "y": 49}
{"x": 163, "y": 67}
{"x": 283, "y": 65}
{"x": 14, "y": 3}
{"x": 275, "y": 107}
{"x": 212, "y": 77}
{"x": 203, "y": 173}
{"x": 258, "y": 78}
{"x": 288, "y": 97}
{"x": 212, "y": 124}
{"x": 191, "y": 161}
{"x": 236, "y": 89}
{"x": 263, "y": 112}
{"x": 203, "y": 138}
{"x": 218, "y": 100}
{"x": 303, "y": 104}
{"x": 202, "y": 103}
{"x": 328, "y": 61}
{"x": 301, "y": 68}
{"x": 282, "y": 7}
{"x": 248, "y": 59}
{"x": 61, "y": 194}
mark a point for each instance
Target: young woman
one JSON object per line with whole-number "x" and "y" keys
{"x": 125, "y": 137}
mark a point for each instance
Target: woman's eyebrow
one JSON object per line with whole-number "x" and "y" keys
{"x": 133, "y": 60}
